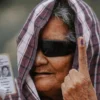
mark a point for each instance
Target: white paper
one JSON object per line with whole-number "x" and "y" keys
{"x": 6, "y": 75}
{"x": 2, "y": 92}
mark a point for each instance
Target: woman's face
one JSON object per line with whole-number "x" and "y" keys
{"x": 5, "y": 71}
{"x": 50, "y": 71}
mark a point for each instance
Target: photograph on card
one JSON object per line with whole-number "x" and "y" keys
{"x": 6, "y": 74}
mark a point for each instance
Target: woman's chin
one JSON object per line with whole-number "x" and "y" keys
{"x": 46, "y": 85}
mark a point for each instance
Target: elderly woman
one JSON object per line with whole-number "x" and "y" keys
{"x": 57, "y": 45}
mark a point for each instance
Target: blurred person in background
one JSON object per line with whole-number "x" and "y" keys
{"x": 58, "y": 53}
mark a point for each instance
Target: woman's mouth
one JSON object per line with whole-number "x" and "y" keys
{"x": 42, "y": 73}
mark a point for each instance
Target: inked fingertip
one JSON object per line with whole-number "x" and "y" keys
{"x": 81, "y": 41}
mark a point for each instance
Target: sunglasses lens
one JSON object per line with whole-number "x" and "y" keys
{"x": 51, "y": 48}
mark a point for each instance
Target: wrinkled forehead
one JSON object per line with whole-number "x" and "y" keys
{"x": 55, "y": 29}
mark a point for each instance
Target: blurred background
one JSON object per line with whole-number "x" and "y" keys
{"x": 13, "y": 14}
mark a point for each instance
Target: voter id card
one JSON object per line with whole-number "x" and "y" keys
{"x": 6, "y": 74}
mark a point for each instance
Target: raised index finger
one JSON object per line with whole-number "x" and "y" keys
{"x": 82, "y": 57}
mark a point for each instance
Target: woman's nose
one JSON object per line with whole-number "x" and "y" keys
{"x": 40, "y": 59}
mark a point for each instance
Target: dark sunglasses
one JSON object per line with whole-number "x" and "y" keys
{"x": 56, "y": 48}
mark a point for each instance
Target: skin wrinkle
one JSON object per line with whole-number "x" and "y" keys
{"x": 59, "y": 65}
{"x": 77, "y": 85}
{"x": 52, "y": 34}
{"x": 48, "y": 84}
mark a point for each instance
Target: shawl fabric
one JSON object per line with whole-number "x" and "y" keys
{"x": 86, "y": 25}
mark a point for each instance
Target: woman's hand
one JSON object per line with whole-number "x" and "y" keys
{"x": 77, "y": 84}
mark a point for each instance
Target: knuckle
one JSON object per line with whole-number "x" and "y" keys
{"x": 66, "y": 79}
{"x": 78, "y": 84}
{"x": 88, "y": 81}
{"x": 83, "y": 59}
{"x": 85, "y": 80}
{"x": 71, "y": 88}
{"x": 72, "y": 71}
{"x": 65, "y": 94}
